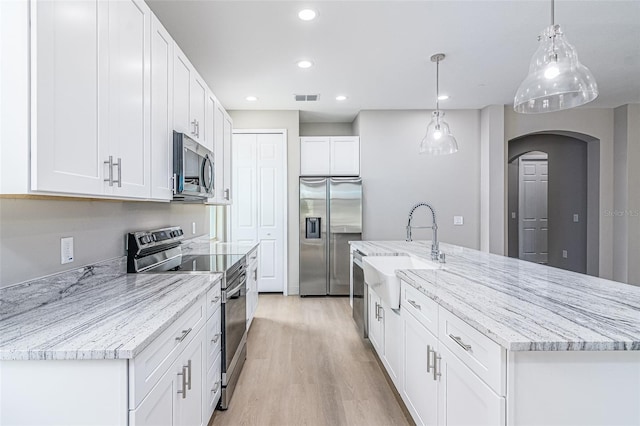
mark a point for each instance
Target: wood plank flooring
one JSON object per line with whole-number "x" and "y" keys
{"x": 306, "y": 365}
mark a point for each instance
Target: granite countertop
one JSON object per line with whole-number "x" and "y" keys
{"x": 204, "y": 245}
{"x": 521, "y": 305}
{"x": 95, "y": 312}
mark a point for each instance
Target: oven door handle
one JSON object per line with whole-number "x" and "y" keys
{"x": 226, "y": 295}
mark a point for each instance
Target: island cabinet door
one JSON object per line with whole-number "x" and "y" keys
{"x": 190, "y": 373}
{"x": 463, "y": 398}
{"x": 419, "y": 387}
{"x": 158, "y": 408}
{"x": 376, "y": 323}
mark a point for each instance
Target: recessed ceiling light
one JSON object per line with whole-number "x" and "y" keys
{"x": 307, "y": 14}
{"x": 251, "y": 98}
{"x": 443, "y": 97}
{"x": 305, "y": 64}
{"x": 341, "y": 98}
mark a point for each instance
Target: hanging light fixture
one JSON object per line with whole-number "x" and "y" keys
{"x": 556, "y": 80}
{"x": 438, "y": 140}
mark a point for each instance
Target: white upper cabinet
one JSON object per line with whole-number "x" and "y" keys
{"x": 345, "y": 156}
{"x": 129, "y": 99}
{"x": 161, "y": 112}
{"x": 222, "y": 134}
{"x": 91, "y": 94}
{"x": 67, "y": 152}
{"x": 330, "y": 156}
{"x": 182, "y": 74}
{"x": 227, "y": 136}
{"x": 209, "y": 119}
{"x": 199, "y": 94}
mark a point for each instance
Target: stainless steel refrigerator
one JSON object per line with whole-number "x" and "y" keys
{"x": 330, "y": 217}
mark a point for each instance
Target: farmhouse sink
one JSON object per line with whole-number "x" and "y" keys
{"x": 380, "y": 274}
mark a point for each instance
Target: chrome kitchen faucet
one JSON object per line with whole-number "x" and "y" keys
{"x": 435, "y": 251}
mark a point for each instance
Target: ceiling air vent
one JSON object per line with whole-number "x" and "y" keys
{"x": 306, "y": 98}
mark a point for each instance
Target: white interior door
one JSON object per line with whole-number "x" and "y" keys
{"x": 533, "y": 223}
{"x": 258, "y": 211}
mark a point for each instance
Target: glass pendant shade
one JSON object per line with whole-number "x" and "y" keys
{"x": 438, "y": 140}
{"x": 556, "y": 80}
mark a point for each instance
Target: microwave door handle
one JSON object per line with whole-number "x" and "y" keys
{"x": 202, "y": 174}
{"x": 211, "y": 174}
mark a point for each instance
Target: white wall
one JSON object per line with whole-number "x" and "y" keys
{"x": 30, "y": 231}
{"x": 282, "y": 120}
{"x": 493, "y": 163}
{"x": 395, "y": 176}
{"x": 326, "y": 129}
{"x": 595, "y": 122}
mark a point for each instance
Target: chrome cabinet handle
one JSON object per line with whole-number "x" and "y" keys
{"x": 189, "y": 372}
{"x": 110, "y": 164}
{"x": 184, "y": 383}
{"x": 216, "y": 338}
{"x": 174, "y": 183}
{"x": 377, "y": 312}
{"x": 255, "y": 274}
{"x": 437, "y": 364}
{"x": 216, "y": 387}
{"x": 215, "y": 299}
{"x": 119, "y": 165}
{"x": 184, "y": 334}
{"x": 414, "y": 304}
{"x": 459, "y": 341}
{"x": 193, "y": 123}
{"x": 226, "y": 193}
{"x": 380, "y": 314}
{"x": 197, "y": 128}
{"x": 429, "y": 352}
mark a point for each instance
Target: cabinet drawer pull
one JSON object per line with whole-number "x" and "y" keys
{"x": 437, "y": 365}
{"x": 193, "y": 123}
{"x": 215, "y": 299}
{"x": 189, "y": 374}
{"x": 216, "y": 387}
{"x": 376, "y": 311}
{"x": 459, "y": 341}
{"x": 414, "y": 304}
{"x": 110, "y": 164}
{"x": 216, "y": 338}
{"x": 429, "y": 352}
{"x": 118, "y": 164}
{"x": 184, "y": 334}
{"x": 380, "y": 314}
{"x": 183, "y": 392}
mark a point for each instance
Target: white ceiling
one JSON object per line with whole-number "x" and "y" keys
{"x": 377, "y": 53}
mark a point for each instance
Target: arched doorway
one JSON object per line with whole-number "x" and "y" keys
{"x": 572, "y": 201}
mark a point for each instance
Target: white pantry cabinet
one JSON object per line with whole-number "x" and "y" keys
{"x": 161, "y": 111}
{"x": 330, "y": 156}
{"x": 227, "y": 140}
{"x": 252, "y": 285}
{"x": 223, "y": 132}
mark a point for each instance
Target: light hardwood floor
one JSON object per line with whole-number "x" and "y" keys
{"x": 306, "y": 365}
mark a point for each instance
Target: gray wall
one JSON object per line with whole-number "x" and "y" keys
{"x": 567, "y": 195}
{"x": 289, "y": 120}
{"x": 626, "y": 211}
{"x": 395, "y": 176}
{"x": 326, "y": 129}
{"x": 30, "y": 231}
{"x": 597, "y": 123}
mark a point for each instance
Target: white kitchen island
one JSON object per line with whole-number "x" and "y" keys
{"x": 486, "y": 339}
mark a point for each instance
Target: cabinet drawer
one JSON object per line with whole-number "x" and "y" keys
{"x": 147, "y": 368}
{"x": 253, "y": 256}
{"x": 423, "y": 308}
{"x": 482, "y": 355}
{"x": 214, "y": 299}
{"x": 214, "y": 337}
{"x": 213, "y": 388}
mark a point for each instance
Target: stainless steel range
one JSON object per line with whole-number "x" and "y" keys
{"x": 160, "y": 251}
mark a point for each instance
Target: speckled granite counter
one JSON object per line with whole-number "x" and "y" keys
{"x": 204, "y": 245}
{"x": 97, "y": 313}
{"x": 521, "y": 305}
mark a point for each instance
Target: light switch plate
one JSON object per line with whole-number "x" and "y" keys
{"x": 576, "y": 218}
{"x": 458, "y": 220}
{"x": 193, "y": 227}
{"x": 513, "y": 215}
{"x": 564, "y": 254}
{"x": 66, "y": 250}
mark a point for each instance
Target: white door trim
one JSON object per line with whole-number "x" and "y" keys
{"x": 285, "y": 158}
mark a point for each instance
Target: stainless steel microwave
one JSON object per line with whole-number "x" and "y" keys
{"x": 193, "y": 169}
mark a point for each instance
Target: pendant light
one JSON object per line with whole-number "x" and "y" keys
{"x": 556, "y": 80}
{"x": 438, "y": 140}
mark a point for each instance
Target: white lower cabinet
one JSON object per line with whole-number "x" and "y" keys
{"x": 252, "y": 286}
{"x": 445, "y": 372}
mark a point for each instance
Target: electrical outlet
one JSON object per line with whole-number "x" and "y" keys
{"x": 458, "y": 220}
{"x": 564, "y": 254}
{"x": 576, "y": 218}
{"x": 193, "y": 227}
{"x": 66, "y": 250}
{"x": 513, "y": 215}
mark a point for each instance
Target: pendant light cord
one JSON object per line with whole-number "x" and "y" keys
{"x": 553, "y": 12}
{"x": 437, "y": 85}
